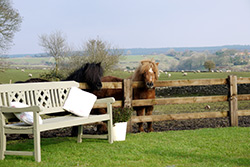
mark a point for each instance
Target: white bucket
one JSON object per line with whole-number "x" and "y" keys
{"x": 119, "y": 131}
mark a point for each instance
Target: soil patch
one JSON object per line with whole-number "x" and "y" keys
{"x": 158, "y": 127}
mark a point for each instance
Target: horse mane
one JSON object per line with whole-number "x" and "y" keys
{"x": 93, "y": 69}
{"x": 86, "y": 72}
{"x": 144, "y": 66}
{"x": 33, "y": 80}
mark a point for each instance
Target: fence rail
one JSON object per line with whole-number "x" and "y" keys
{"x": 232, "y": 99}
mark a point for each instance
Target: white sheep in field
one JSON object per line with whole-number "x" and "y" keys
{"x": 131, "y": 71}
{"x": 30, "y": 75}
{"x": 160, "y": 71}
{"x": 166, "y": 72}
{"x": 185, "y": 74}
{"x": 182, "y": 71}
{"x": 23, "y": 70}
{"x": 169, "y": 75}
{"x": 198, "y": 71}
{"x": 207, "y": 107}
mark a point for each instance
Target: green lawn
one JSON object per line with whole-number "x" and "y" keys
{"x": 204, "y": 147}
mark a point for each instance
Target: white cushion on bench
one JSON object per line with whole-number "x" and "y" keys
{"x": 79, "y": 102}
{"x": 26, "y": 117}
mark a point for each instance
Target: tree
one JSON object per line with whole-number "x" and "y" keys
{"x": 3, "y": 64}
{"x": 55, "y": 45}
{"x": 95, "y": 51}
{"x": 10, "y": 21}
{"x": 209, "y": 64}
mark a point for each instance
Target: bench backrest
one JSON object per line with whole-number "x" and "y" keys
{"x": 49, "y": 96}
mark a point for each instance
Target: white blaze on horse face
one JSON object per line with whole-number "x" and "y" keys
{"x": 151, "y": 71}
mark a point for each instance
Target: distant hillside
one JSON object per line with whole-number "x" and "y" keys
{"x": 27, "y": 55}
{"x": 212, "y": 49}
{"x": 151, "y": 51}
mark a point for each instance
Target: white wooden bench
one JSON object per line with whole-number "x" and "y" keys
{"x": 43, "y": 98}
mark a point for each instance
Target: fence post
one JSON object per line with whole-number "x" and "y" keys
{"x": 233, "y": 101}
{"x": 127, "y": 88}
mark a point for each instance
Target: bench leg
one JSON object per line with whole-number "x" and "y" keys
{"x": 2, "y": 145}
{"x": 79, "y": 136}
{"x": 110, "y": 132}
{"x": 37, "y": 146}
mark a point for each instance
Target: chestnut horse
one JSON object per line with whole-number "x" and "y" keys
{"x": 147, "y": 72}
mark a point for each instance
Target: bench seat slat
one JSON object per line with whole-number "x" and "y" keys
{"x": 70, "y": 120}
{"x": 60, "y": 122}
{"x": 28, "y": 153}
{"x": 19, "y": 125}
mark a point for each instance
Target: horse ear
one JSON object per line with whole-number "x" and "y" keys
{"x": 99, "y": 64}
{"x": 143, "y": 61}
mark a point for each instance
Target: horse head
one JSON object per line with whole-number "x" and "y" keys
{"x": 149, "y": 73}
{"x": 91, "y": 73}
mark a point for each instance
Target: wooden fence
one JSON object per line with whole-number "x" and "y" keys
{"x": 127, "y": 85}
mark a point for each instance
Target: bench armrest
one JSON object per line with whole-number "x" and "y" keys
{"x": 105, "y": 100}
{"x": 17, "y": 110}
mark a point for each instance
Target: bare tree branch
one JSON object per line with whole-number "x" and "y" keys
{"x": 10, "y": 21}
{"x": 55, "y": 45}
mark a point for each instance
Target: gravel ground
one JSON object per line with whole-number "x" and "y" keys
{"x": 158, "y": 127}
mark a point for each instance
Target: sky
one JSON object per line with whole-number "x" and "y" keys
{"x": 134, "y": 23}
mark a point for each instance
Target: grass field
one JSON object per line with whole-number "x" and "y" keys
{"x": 13, "y": 75}
{"x": 126, "y": 60}
{"x": 28, "y": 62}
{"x": 18, "y": 75}
{"x": 205, "y": 148}
{"x": 191, "y": 75}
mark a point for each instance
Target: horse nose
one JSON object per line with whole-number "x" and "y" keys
{"x": 150, "y": 84}
{"x": 99, "y": 85}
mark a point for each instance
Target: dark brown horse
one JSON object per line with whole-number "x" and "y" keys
{"x": 91, "y": 73}
{"x": 147, "y": 72}
{"x": 116, "y": 93}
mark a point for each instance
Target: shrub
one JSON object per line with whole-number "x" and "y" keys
{"x": 52, "y": 76}
{"x": 121, "y": 114}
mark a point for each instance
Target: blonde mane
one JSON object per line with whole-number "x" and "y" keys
{"x": 144, "y": 66}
